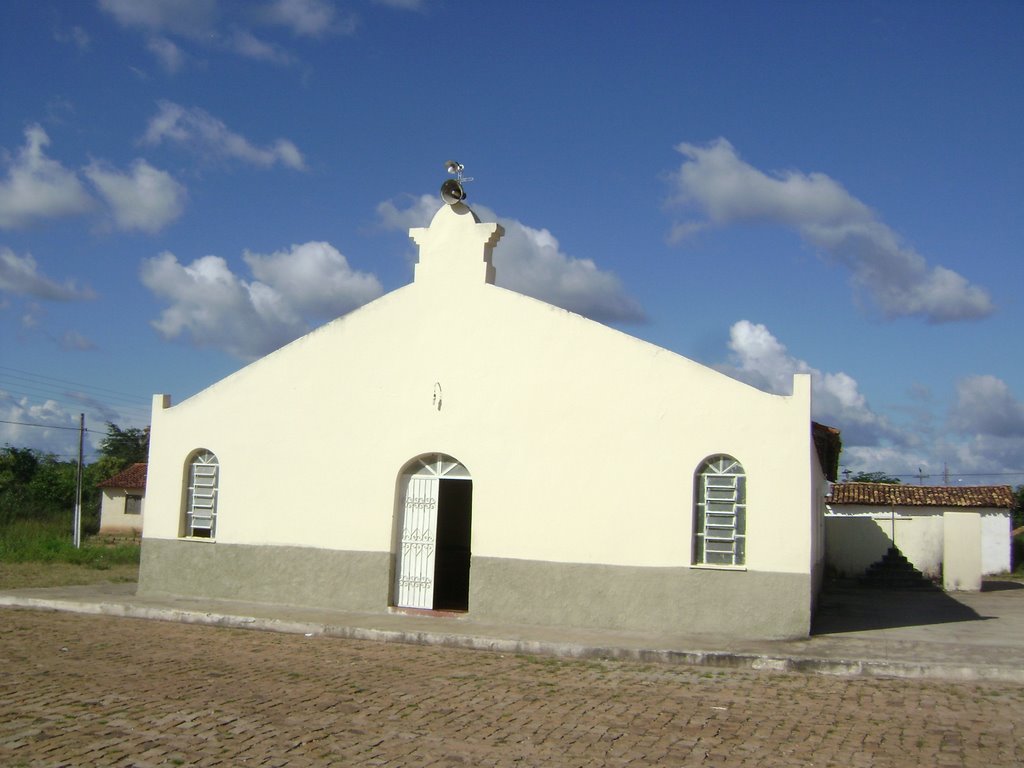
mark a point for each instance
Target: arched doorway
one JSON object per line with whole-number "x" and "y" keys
{"x": 436, "y": 507}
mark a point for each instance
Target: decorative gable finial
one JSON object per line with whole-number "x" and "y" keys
{"x": 451, "y": 190}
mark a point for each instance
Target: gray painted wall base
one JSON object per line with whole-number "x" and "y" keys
{"x": 741, "y": 604}
{"x": 314, "y": 578}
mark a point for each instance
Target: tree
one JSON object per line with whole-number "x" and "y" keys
{"x": 123, "y": 447}
{"x": 18, "y": 466}
{"x": 35, "y": 485}
{"x": 874, "y": 477}
{"x": 1018, "y": 507}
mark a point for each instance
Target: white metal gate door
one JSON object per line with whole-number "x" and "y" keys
{"x": 419, "y": 530}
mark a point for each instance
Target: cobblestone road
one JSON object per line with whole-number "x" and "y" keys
{"x": 83, "y": 690}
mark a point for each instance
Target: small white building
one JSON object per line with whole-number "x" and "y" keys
{"x": 123, "y": 501}
{"x": 864, "y": 519}
{"x": 458, "y": 446}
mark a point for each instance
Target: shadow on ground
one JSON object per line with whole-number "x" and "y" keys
{"x": 846, "y": 607}
{"x": 998, "y": 585}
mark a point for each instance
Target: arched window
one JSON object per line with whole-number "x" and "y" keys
{"x": 201, "y": 496}
{"x": 720, "y": 512}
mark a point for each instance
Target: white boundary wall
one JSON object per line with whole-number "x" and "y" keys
{"x": 858, "y": 535}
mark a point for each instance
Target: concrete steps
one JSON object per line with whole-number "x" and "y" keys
{"x": 894, "y": 571}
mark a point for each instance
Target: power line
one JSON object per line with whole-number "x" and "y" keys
{"x": 947, "y": 476}
{"x": 50, "y": 426}
{"x": 967, "y": 474}
{"x": 41, "y": 380}
{"x": 81, "y": 430}
{"x": 101, "y": 403}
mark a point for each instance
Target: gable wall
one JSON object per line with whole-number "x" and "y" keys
{"x": 582, "y": 441}
{"x": 582, "y": 444}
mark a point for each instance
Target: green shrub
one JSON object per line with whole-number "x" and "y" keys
{"x": 49, "y": 541}
{"x": 38, "y": 486}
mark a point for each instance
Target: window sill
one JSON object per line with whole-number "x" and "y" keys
{"x": 712, "y": 567}
{"x": 204, "y": 539}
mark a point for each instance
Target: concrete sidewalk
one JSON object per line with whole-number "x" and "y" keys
{"x": 969, "y": 636}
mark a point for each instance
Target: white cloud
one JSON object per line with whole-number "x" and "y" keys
{"x": 194, "y": 20}
{"x": 986, "y": 421}
{"x": 315, "y": 278}
{"x": 76, "y": 341}
{"x": 32, "y": 316}
{"x": 76, "y": 35}
{"x": 144, "y": 198}
{"x": 200, "y": 130}
{"x": 189, "y": 18}
{"x": 726, "y": 189}
{"x": 20, "y": 275}
{"x": 897, "y": 460}
{"x": 59, "y": 418}
{"x": 760, "y": 359}
{"x": 208, "y": 24}
{"x": 985, "y": 406}
{"x": 418, "y": 213}
{"x": 530, "y": 261}
{"x": 55, "y": 438}
{"x": 217, "y": 309}
{"x": 405, "y": 5}
{"x": 307, "y": 18}
{"x": 168, "y": 54}
{"x": 245, "y": 43}
{"x": 249, "y": 318}
{"x": 38, "y": 187}
{"x": 987, "y": 459}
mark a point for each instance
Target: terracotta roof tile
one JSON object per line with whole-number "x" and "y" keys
{"x": 1000, "y": 496}
{"x": 132, "y": 477}
{"x": 828, "y": 444}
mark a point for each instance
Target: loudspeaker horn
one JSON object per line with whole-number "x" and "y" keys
{"x": 452, "y": 192}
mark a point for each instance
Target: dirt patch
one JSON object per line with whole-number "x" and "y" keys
{"x": 20, "y": 575}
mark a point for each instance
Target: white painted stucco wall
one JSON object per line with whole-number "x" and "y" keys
{"x": 113, "y": 518}
{"x": 582, "y": 441}
{"x": 996, "y": 548}
{"x": 819, "y": 490}
{"x": 858, "y": 535}
{"x": 961, "y": 557}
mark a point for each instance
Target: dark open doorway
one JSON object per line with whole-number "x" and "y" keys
{"x": 451, "y": 565}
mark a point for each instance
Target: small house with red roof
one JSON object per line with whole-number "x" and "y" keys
{"x": 123, "y": 499}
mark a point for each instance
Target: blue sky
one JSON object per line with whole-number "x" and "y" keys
{"x": 834, "y": 188}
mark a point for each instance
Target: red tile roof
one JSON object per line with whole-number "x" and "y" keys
{"x": 828, "y": 444}
{"x": 1000, "y": 496}
{"x": 132, "y": 477}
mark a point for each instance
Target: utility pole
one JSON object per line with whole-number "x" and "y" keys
{"x": 77, "y": 532}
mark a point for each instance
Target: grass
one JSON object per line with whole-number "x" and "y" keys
{"x": 36, "y": 553}
{"x": 24, "y": 541}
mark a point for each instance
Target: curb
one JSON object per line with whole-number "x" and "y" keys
{"x": 717, "y": 659}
